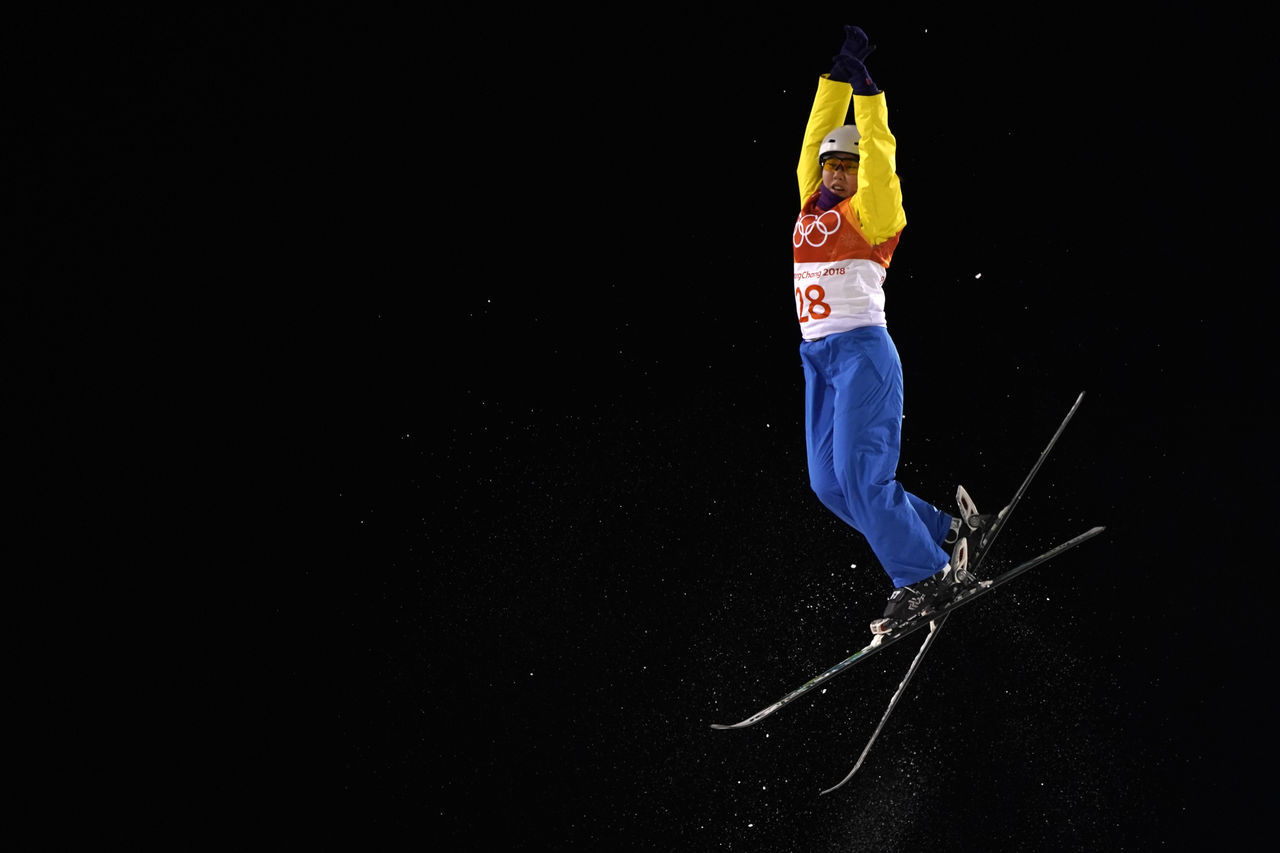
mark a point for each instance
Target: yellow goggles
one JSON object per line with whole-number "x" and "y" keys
{"x": 837, "y": 164}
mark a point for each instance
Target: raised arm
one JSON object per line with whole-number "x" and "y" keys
{"x": 878, "y": 201}
{"x": 830, "y": 109}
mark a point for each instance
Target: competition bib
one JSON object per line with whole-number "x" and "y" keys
{"x": 839, "y": 276}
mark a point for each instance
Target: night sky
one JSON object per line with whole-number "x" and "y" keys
{"x": 510, "y": 302}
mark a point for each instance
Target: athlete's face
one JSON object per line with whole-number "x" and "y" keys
{"x": 843, "y": 179}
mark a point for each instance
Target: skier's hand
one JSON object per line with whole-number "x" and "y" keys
{"x": 845, "y": 68}
{"x": 856, "y": 45}
{"x": 849, "y": 65}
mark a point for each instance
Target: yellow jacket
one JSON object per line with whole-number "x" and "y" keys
{"x": 878, "y": 200}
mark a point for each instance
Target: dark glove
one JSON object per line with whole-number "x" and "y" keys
{"x": 849, "y": 65}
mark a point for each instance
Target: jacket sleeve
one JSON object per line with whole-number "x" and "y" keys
{"x": 830, "y": 110}
{"x": 878, "y": 201}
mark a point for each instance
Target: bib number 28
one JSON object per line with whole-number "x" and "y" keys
{"x": 810, "y": 304}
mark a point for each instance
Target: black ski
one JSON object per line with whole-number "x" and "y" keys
{"x": 934, "y": 628}
{"x": 936, "y": 624}
{"x": 884, "y": 641}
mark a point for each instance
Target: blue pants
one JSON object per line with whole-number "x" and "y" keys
{"x": 853, "y": 430}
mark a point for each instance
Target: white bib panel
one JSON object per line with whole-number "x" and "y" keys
{"x": 836, "y": 296}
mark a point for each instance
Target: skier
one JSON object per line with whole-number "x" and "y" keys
{"x": 849, "y": 223}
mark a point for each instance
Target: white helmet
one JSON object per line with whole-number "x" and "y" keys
{"x": 843, "y": 139}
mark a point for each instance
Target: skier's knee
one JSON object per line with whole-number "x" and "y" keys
{"x": 830, "y": 496}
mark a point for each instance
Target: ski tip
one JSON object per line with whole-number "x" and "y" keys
{"x": 840, "y": 784}
{"x": 721, "y": 727}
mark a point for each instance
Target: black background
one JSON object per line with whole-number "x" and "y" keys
{"x": 497, "y": 311}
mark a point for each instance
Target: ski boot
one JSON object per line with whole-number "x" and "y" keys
{"x": 922, "y": 599}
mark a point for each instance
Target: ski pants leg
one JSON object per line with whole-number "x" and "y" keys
{"x": 853, "y": 432}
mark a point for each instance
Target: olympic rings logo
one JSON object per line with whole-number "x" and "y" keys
{"x": 825, "y": 225}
